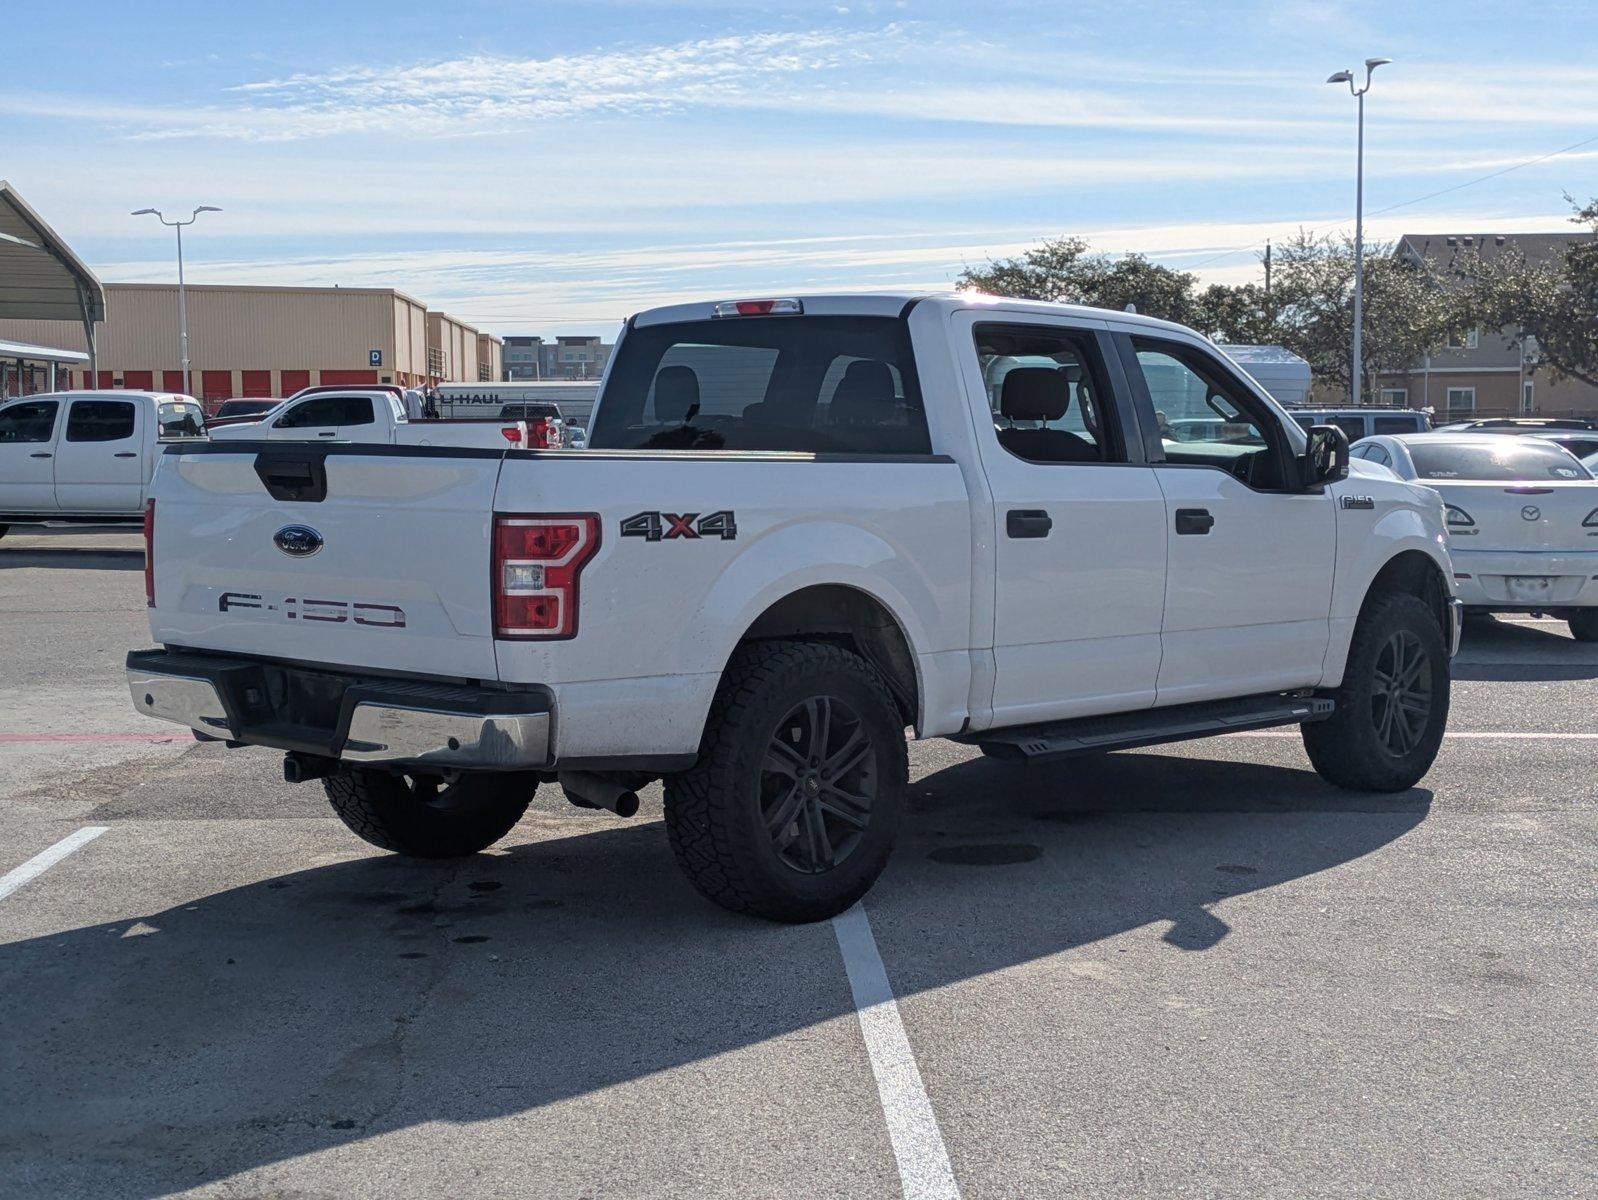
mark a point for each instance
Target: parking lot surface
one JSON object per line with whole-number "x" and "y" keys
{"x": 1195, "y": 971}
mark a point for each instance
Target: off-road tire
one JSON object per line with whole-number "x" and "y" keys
{"x": 725, "y": 842}
{"x": 1583, "y": 624}
{"x": 468, "y": 815}
{"x": 1347, "y": 748}
{"x": 4, "y": 529}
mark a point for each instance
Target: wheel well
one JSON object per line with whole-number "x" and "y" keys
{"x": 850, "y": 618}
{"x": 1413, "y": 573}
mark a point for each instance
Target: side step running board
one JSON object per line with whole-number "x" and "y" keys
{"x": 1147, "y": 727}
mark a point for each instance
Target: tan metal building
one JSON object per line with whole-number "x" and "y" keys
{"x": 268, "y": 341}
{"x": 490, "y": 357}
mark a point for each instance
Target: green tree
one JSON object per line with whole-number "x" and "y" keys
{"x": 1554, "y": 303}
{"x": 1067, "y": 270}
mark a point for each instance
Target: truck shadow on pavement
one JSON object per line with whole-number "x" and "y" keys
{"x": 76, "y": 558}
{"x": 304, "y": 1012}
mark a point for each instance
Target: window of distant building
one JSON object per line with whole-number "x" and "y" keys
{"x": 1528, "y": 396}
{"x": 1395, "y": 397}
{"x": 1461, "y": 399}
{"x": 1467, "y": 340}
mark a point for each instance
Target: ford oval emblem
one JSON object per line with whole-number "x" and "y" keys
{"x": 1531, "y": 513}
{"x": 297, "y": 541}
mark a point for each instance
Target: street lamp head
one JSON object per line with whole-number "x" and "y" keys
{"x": 1340, "y": 77}
{"x": 1372, "y": 63}
{"x": 145, "y": 212}
{"x": 206, "y": 208}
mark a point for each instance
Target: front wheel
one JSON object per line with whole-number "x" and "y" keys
{"x": 793, "y": 807}
{"x": 1392, "y": 707}
{"x": 1583, "y": 624}
{"x": 429, "y": 816}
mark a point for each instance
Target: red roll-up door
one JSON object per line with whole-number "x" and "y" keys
{"x": 216, "y": 385}
{"x": 293, "y": 381}
{"x": 106, "y": 380}
{"x": 349, "y": 378}
{"x": 172, "y": 381}
{"x": 138, "y": 381}
{"x": 257, "y": 383}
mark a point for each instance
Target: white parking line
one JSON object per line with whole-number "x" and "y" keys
{"x": 45, "y": 859}
{"x": 924, "y": 1169}
{"x": 1482, "y": 735}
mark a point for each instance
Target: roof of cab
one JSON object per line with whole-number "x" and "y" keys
{"x": 893, "y": 304}
{"x": 106, "y": 394}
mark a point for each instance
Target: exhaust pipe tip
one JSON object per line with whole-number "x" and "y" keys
{"x": 599, "y": 792}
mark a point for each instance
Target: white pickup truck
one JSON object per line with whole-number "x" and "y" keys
{"x": 379, "y": 416}
{"x": 803, "y": 525}
{"x": 87, "y": 457}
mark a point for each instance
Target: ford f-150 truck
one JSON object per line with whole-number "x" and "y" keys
{"x": 86, "y": 457}
{"x": 379, "y": 415}
{"x": 803, "y": 526}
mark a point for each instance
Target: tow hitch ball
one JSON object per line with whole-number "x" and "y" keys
{"x": 302, "y": 768}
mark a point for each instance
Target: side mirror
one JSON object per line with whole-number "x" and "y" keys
{"x": 1325, "y": 459}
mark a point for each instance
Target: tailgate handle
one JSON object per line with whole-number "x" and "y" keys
{"x": 301, "y": 477}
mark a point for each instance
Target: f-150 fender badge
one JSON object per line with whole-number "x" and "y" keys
{"x": 1357, "y": 502}
{"x": 665, "y": 526}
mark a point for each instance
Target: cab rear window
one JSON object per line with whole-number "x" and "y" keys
{"x": 181, "y": 420}
{"x": 819, "y": 384}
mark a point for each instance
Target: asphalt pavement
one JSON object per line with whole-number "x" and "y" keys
{"x": 1192, "y": 971}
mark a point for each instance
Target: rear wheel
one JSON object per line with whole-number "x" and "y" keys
{"x": 1583, "y": 624}
{"x": 793, "y": 807}
{"x": 429, "y": 816}
{"x": 1392, "y": 707}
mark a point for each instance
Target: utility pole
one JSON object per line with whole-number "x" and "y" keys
{"x": 1267, "y": 268}
{"x": 1359, "y": 217}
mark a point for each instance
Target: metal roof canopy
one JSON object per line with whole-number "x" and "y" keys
{"x": 29, "y": 353}
{"x": 40, "y": 277}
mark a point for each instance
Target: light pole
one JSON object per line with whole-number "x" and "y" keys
{"x": 183, "y": 307}
{"x": 1359, "y": 215}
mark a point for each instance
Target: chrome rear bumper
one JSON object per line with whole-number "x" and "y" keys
{"x": 356, "y": 719}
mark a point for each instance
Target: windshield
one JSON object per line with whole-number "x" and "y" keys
{"x": 842, "y": 384}
{"x": 1507, "y": 459}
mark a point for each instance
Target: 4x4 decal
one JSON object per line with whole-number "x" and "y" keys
{"x": 664, "y": 526}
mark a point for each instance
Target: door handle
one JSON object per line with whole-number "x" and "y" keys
{"x": 1028, "y": 523}
{"x": 1194, "y": 521}
{"x": 39, "y": 454}
{"x": 334, "y": 434}
{"x": 127, "y": 454}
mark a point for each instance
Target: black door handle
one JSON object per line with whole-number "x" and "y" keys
{"x": 127, "y": 454}
{"x": 1028, "y": 523}
{"x": 1194, "y": 520}
{"x": 333, "y": 434}
{"x": 39, "y": 454}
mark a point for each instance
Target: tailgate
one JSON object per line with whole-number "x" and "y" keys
{"x": 352, "y": 555}
{"x": 1529, "y": 516}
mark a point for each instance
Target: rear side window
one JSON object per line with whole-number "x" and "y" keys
{"x": 31, "y": 422}
{"x": 821, "y": 384}
{"x": 1505, "y": 459}
{"x": 328, "y": 410}
{"x": 1398, "y": 425}
{"x": 181, "y": 421}
{"x": 99, "y": 421}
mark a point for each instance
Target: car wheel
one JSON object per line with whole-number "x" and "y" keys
{"x": 1392, "y": 706}
{"x": 792, "y": 810}
{"x": 429, "y": 816}
{"x": 1583, "y": 624}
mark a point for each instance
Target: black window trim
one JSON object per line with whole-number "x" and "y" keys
{"x": 1120, "y": 411}
{"x": 1250, "y": 403}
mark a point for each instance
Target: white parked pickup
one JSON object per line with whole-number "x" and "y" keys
{"x": 803, "y": 525}
{"x": 86, "y": 457}
{"x": 379, "y": 416}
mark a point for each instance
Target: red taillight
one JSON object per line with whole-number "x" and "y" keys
{"x": 537, "y": 562}
{"x": 512, "y": 434}
{"x": 149, "y": 553}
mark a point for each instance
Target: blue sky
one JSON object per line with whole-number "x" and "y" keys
{"x": 549, "y": 169}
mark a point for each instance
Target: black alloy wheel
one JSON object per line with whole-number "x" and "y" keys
{"x": 817, "y": 784}
{"x": 1401, "y": 700}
